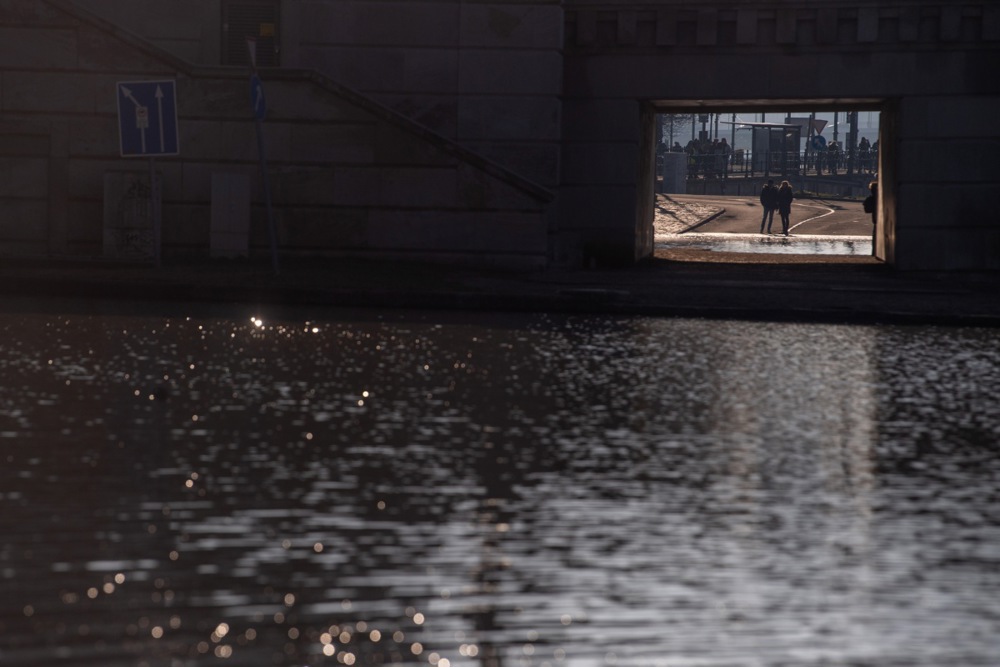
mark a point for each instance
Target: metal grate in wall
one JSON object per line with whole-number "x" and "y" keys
{"x": 243, "y": 19}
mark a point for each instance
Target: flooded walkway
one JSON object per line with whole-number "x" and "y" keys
{"x": 223, "y": 485}
{"x": 795, "y": 244}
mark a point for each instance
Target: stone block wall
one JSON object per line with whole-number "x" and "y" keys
{"x": 542, "y": 96}
{"x": 948, "y": 183}
{"x": 25, "y": 165}
{"x": 927, "y": 65}
{"x": 348, "y": 174}
{"x": 484, "y": 73}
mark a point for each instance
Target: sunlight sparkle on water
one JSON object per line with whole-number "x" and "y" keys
{"x": 543, "y": 489}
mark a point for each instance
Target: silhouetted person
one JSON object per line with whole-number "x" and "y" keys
{"x": 726, "y": 152}
{"x": 865, "y": 151}
{"x": 871, "y": 202}
{"x": 785, "y": 197}
{"x": 769, "y": 200}
{"x": 833, "y": 157}
{"x": 819, "y": 152}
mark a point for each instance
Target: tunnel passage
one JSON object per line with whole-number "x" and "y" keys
{"x": 704, "y": 165}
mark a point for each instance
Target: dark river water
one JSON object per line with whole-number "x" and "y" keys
{"x": 244, "y": 488}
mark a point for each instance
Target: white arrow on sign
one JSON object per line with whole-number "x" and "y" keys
{"x": 159, "y": 110}
{"x": 139, "y": 109}
{"x": 142, "y": 116}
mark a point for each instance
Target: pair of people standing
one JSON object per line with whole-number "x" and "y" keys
{"x": 774, "y": 198}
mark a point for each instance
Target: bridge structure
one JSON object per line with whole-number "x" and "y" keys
{"x": 512, "y": 132}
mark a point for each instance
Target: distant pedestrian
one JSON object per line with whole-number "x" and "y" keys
{"x": 768, "y": 200}
{"x": 865, "y": 152}
{"x": 833, "y": 157}
{"x": 871, "y": 202}
{"x": 727, "y": 154}
{"x": 717, "y": 159}
{"x": 785, "y": 197}
{"x": 818, "y": 144}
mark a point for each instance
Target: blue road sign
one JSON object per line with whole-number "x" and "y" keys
{"x": 257, "y": 97}
{"x": 147, "y": 118}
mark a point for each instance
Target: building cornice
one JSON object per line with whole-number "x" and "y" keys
{"x": 806, "y": 25}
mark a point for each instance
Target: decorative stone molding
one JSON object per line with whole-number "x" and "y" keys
{"x": 808, "y": 26}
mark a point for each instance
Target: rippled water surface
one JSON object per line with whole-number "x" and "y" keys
{"x": 196, "y": 488}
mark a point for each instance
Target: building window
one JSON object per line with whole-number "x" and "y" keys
{"x": 244, "y": 20}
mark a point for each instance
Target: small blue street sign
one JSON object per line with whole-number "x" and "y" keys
{"x": 147, "y": 118}
{"x": 257, "y": 97}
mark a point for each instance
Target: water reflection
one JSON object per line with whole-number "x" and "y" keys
{"x": 180, "y": 490}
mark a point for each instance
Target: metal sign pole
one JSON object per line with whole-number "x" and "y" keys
{"x": 267, "y": 197}
{"x": 259, "y": 106}
{"x": 155, "y": 212}
{"x": 148, "y": 128}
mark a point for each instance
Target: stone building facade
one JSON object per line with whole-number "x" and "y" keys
{"x": 348, "y": 174}
{"x": 514, "y": 132}
{"x": 927, "y": 66}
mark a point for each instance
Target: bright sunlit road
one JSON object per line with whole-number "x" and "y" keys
{"x": 742, "y": 215}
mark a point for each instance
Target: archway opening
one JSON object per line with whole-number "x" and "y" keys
{"x": 710, "y": 161}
